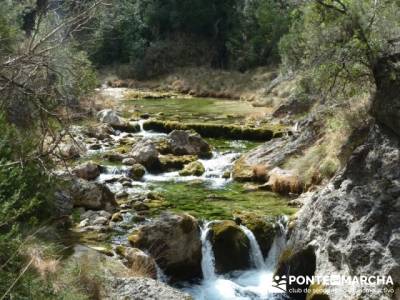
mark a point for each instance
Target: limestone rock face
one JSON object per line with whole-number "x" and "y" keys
{"x": 353, "y": 224}
{"x": 174, "y": 241}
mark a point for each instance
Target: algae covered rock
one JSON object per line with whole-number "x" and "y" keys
{"x": 136, "y": 172}
{"x": 263, "y": 229}
{"x": 174, "y": 241}
{"x": 231, "y": 247}
{"x": 173, "y": 162}
{"x": 195, "y": 168}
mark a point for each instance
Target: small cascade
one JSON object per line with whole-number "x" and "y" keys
{"x": 256, "y": 256}
{"x": 208, "y": 259}
{"x": 161, "y": 275}
{"x": 279, "y": 243}
{"x": 145, "y": 133}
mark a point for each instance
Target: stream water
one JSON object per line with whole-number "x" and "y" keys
{"x": 253, "y": 284}
{"x": 212, "y": 196}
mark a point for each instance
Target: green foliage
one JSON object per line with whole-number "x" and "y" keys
{"x": 154, "y": 36}
{"x": 338, "y": 43}
{"x": 24, "y": 203}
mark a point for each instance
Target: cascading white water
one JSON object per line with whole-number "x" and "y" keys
{"x": 208, "y": 259}
{"x": 279, "y": 243}
{"x": 256, "y": 256}
{"x": 254, "y": 284}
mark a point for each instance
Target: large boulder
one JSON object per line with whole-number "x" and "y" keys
{"x": 88, "y": 171}
{"x": 353, "y": 223}
{"x": 110, "y": 117}
{"x": 195, "y": 168}
{"x": 91, "y": 195}
{"x": 145, "y": 153}
{"x": 174, "y": 241}
{"x": 173, "y": 162}
{"x": 185, "y": 142}
{"x": 100, "y": 132}
{"x": 231, "y": 247}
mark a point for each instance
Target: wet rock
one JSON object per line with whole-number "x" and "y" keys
{"x": 174, "y": 241}
{"x": 145, "y": 153}
{"x": 92, "y": 195}
{"x": 136, "y": 172}
{"x": 173, "y": 162}
{"x": 114, "y": 156}
{"x": 231, "y": 247}
{"x": 189, "y": 143}
{"x": 195, "y": 168}
{"x": 263, "y": 229}
{"x": 88, "y": 171}
{"x": 140, "y": 206}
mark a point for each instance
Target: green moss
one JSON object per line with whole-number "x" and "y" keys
{"x": 194, "y": 168}
{"x": 215, "y": 130}
{"x": 201, "y": 201}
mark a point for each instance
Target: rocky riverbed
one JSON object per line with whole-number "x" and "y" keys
{"x": 162, "y": 199}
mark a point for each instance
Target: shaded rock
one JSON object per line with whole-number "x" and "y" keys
{"x": 145, "y": 153}
{"x": 189, "y": 143}
{"x": 70, "y": 150}
{"x": 174, "y": 241}
{"x": 136, "y": 172}
{"x": 294, "y": 105}
{"x": 88, "y": 171}
{"x": 195, "y": 168}
{"x": 63, "y": 203}
{"x": 231, "y": 247}
{"x": 92, "y": 195}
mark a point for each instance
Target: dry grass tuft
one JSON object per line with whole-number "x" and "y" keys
{"x": 260, "y": 173}
{"x": 285, "y": 182}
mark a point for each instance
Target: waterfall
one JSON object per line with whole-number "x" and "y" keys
{"x": 208, "y": 259}
{"x": 161, "y": 275}
{"x": 279, "y": 243}
{"x": 256, "y": 256}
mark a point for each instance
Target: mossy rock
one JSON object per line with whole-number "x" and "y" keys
{"x": 136, "y": 172}
{"x": 242, "y": 172}
{"x": 262, "y": 228}
{"x": 214, "y": 130}
{"x": 231, "y": 247}
{"x": 195, "y": 168}
{"x": 172, "y": 162}
{"x": 128, "y": 127}
{"x": 297, "y": 262}
{"x": 316, "y": 292}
